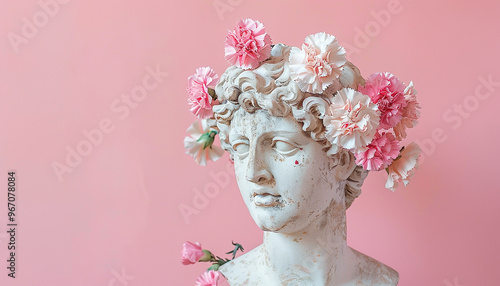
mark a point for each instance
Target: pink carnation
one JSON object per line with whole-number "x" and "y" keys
{"x": 352, "y": 120}
{"x": 403, "y": 167}
{"x": 208, "y": 278}
{"x": 318, "y": 63}
{"x": 387, "y": 91}
{"x": 191, "y": 252}
{"x": 200, "y": 99}
{"x": 248, "y": 45}
{"x": 380, "y": 153}
{"x": 411, "y": 113}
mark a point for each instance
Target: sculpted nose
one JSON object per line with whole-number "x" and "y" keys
{"x": 257, "y": 172}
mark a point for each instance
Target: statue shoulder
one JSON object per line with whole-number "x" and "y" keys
{"x": 371, "y": 272}
{"x": 250, "y": 269}
{"x": 243, "y": 269}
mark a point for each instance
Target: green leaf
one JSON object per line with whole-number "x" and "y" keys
{"x": 236, "y": 248}
{"x": 214, "y": 267}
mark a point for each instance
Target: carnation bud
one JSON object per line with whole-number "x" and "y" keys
{"x": 207, "y": 256}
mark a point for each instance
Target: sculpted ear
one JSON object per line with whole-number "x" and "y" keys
{"x": 346, "y": 164}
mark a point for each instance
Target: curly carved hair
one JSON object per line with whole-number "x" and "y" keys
{"x": 270, "y": 87}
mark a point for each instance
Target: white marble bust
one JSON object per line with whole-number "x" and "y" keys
{"x": 296, "y": 188}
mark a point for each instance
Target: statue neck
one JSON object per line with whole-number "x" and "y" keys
{"x": 315, "y": 253}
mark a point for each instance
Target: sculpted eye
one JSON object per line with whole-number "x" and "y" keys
{"x": 241, "y": 148}
{"x": 284, "y": 147}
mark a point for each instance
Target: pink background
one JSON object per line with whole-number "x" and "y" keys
{"x": 118, "y": 210}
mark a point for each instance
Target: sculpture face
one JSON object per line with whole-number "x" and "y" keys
{"x": 284, "y": 176}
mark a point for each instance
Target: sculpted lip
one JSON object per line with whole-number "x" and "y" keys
{"x": 265, "y": 199}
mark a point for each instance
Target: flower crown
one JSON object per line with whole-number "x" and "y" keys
{"x": 370, "y": 121}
